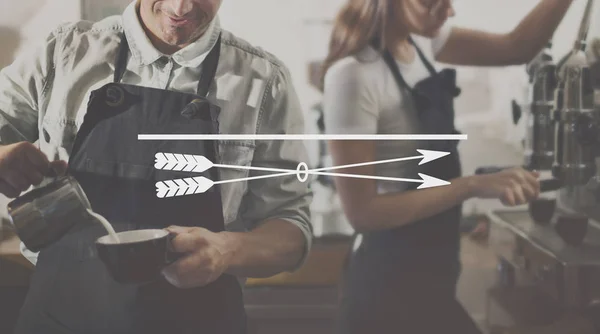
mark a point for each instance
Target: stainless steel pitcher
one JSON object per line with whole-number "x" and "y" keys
{"x": 43, "y": 215}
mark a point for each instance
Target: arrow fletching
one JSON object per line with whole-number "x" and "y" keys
{"x": 182, "y": 187}
{"x": 182, "y": 162}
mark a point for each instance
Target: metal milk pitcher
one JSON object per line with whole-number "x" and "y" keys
{"x": 43, "y": 215}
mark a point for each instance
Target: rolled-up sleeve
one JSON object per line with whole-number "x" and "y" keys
{"x": 22, "y": 86}
{"x": 283, "y": 197}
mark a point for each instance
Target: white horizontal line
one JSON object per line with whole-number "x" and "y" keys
{"x": 298, "y": 137}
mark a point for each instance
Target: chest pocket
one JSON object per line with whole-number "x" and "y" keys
{"x": 232, "y": 191}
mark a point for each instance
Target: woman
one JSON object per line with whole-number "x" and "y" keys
{"x": 380, "y": 80}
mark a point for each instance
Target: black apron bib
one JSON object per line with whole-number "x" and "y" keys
{"x": 71, "y": 290}
{"x": 404, "y": 280}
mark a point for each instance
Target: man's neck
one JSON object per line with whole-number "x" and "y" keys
{"x": 161, "y": 46}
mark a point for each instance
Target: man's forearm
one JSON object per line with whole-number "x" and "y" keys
{"x": 537, "y": 28}
{"x": 273, "y": 247}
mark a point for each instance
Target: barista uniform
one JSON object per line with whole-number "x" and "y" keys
{"x": 86, "y": 95}
{"x": 401, "y": 280}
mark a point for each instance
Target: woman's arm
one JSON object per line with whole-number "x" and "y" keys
{"x": 478, "y": 48}
{"x": 368, "y": 211}
{"x": 352, "y": 106}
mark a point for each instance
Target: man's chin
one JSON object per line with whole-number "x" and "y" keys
{"x": 175, "y": 40}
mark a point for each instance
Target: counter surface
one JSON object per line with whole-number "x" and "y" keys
{"x": 545, "y": 238}
{"x": 10, "y": 249}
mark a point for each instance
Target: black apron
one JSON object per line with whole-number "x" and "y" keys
{"x": 403, "y": 280}
{"x": 71, "y": 290}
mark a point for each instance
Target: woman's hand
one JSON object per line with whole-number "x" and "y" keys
{"x": 515, "y": 186}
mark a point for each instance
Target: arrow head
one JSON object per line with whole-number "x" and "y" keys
{"x": 431, "y": 182}
{"x": 203, "y": 164}
{"x": 202, "y": 184}
{"x": 429, "y": 156}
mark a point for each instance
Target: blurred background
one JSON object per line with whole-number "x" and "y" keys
{"x": 297, "y": 31}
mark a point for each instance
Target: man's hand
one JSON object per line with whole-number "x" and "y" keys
{"x": 23, "y": 165}
{"x": 206, "y": 256}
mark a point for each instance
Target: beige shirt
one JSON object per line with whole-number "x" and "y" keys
{"x": 43, "y": 98}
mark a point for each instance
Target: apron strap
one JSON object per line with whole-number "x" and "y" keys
{"x": 393, "y": 66}
{"x": 424, "y": 59}
{"x": 121, "y": 61}
{"x": 206, "y": 78}
{"x": 209, "y": 69}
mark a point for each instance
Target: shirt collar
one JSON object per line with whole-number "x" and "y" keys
{"x": 145, "y": 53}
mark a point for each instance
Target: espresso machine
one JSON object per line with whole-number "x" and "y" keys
{"x": 549, "y": 254}
{"x": 539, "y": 142}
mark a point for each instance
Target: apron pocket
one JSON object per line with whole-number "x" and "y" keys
{"x": 83, "y": 296}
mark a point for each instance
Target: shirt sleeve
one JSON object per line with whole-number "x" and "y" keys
{"x": 22, "y": 86}
{"x": 438, "y": 43}
{"x": 350, "y": 101}
{"x": 284, "y": 197}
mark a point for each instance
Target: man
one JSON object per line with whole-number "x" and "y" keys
{"x": 84, "y": 96}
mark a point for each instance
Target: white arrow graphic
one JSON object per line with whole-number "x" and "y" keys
{"x": 182, "y": 162}
{"x": 429, "y": 156}
{"x": 431, "y": 182}
{"x": 426, "y": 156}
{"x": 426, "y": 180}
{"x": 181, "y": 187}
{"x": 198, "y": 185}
{"x": 198, "y": 164}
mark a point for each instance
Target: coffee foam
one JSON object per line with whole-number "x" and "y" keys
{"x": 133, "y": 236}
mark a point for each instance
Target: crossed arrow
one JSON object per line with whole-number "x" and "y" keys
{"x": 198, "y": 164}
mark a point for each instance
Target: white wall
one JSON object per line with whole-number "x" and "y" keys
{"x": 484, "y": 107}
